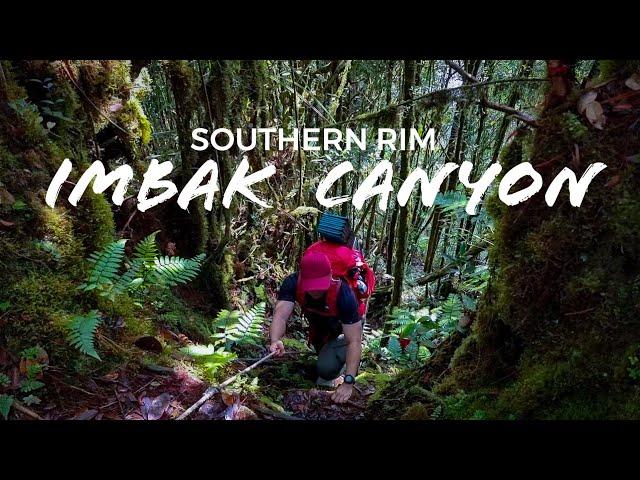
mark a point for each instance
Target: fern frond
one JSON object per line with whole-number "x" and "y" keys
{"x": 209, "y": 357}
{"x": 106, "y": 264}
{"x": 81, "y": 333}
{"x": 248, "y": 329}
{"x": 451, "y": 311}
{"x": 131, "y": 280}
{"x": 172, "y": 271}
{"x": 147, "y": 250}
{"x": 223, "y": 325}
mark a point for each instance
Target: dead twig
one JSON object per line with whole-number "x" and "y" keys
{"x": 72, "y": 386}
{"x": 586, "y": 310}
{"x": 21, "y": 408}
{"x": 211, "y": 391}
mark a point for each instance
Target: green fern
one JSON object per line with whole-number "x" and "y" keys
{"x": 106, "y": 265}
{"x": 248, "y": 329}
{"x": 450, "y": 312}
{"x": 209, "y": 357}
{"x": 172, "y": 271}
{"x": 81, "y": 333}
{"x": 223, "y": 324}
{"x": 240, "y": 328}
{"x": 147, "y": 250}
{"x": 131, "y": 280}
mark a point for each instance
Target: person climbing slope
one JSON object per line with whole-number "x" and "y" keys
{"x": 331, "y": 287}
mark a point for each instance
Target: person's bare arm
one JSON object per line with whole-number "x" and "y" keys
{"x": 281, "y": 314}
{"x": 353, "y": 338}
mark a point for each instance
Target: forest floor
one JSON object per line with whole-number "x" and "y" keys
{"x": 140, "y": 389}
{"x": 127, "y": 394}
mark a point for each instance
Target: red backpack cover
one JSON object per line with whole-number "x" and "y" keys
{"x": 346, "y": 263}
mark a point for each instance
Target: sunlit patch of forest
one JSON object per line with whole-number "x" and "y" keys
{"x": 516, "y": 312}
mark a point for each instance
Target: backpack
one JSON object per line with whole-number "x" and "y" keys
{"x": 347, "y": 264}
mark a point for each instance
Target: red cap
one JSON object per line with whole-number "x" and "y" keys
{"x": 315, "y": 272}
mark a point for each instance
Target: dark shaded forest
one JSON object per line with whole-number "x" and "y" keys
{"x": 517, "y": 312}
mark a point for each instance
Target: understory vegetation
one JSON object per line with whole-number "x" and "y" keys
{"x": 517, "y": 312}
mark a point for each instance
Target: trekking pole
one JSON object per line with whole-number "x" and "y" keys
{"x": 211, "y": 391}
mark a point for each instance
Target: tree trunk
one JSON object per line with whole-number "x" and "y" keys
{"x": 401, "y": 247}
{"x": 559, "y": 321}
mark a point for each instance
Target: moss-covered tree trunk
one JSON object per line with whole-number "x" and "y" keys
{"x": 401, "y": 246}
{"x": 559, "y": 324}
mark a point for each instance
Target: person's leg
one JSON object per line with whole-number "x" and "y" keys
{"x": 331, "y": 358}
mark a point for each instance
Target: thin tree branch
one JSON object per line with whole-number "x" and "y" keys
{"x": 393, "y": 106}
{"x": 524, "y": 117}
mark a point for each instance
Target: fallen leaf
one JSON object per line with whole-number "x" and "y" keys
{"x": 228, "y": 398}
{"x": 86, "y": 415}
{"x": 239, "y": 412}
{"x": 633, "y": 82}
{"x": 210, "y": 409}
{"x": 245, "y": 413}
{"x": 231, "y": 411}
{"x": 595, "y": 115}
{"x": 585, "y": 100}
{"x": 6, "y": 197}
{"x": 111, "y": 377}
{"x": 615, "y": 180}
{"x": 149, "y": 343}
{"x": 154, "y": 408}
{"x": 6, "y": 223}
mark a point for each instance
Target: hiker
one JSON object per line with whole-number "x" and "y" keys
{"x": 331, "y": 286}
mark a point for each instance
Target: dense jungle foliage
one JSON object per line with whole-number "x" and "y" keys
{"x": 514, "y": 313}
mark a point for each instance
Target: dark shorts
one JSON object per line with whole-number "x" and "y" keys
{"x": 331, "y": 358}
{"x": 330, "y": 345}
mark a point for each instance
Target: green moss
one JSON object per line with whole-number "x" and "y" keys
{"x": 378, "y": 380}
{"x": 295, "y": 344}
{"x": 57, "y": 227}
{"x": 40, "y": 304}
{"x": 604, "y": 405}
{"x": 416, "y": 411}
{"x": 617, "y": 68}
{"x": 8, "y": 161}
{"x": 574, "y": 129}
{"x": 136, "y": 122}
{"x": 94, "y": 221}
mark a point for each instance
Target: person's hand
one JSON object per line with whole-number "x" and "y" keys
{"x": 342, "y": 393}
{"x": 277, "y": 347}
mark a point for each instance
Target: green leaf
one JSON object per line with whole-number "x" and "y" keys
{"x": 31, "y": 400}
{"x": 469, "y": 303}
{"x": 81, "y": 333}
{"x": 5, "y": 405}
{"x": 172, "y": 271}
{"x": 106, "y": 264}
{"x": 19, "y": 206}
{"x": 29, "y": 385}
